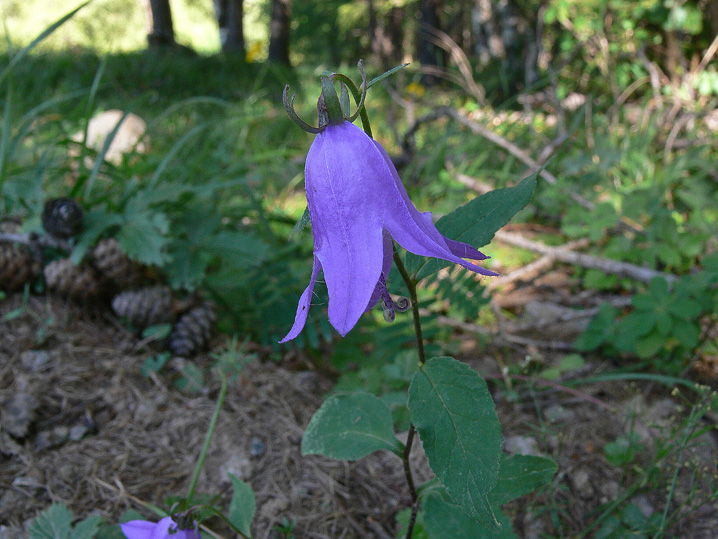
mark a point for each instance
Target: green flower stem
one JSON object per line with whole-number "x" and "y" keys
{"x": 208, "y": 438}
{"x": 411, "y": 286}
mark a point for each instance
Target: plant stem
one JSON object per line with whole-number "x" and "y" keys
{"x": 411, "y": 286}
{"x": 210, "y": 431}
{"x": 407, "y": 466}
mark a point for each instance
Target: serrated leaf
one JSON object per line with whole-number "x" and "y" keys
{"x": 476, "y": 222}
{"x": 521, "y": 474}
{"x": 454, "y": 414}
{"x": 445, "y": 520}
{"x": 243, "y": 505}
{"x": 53, "y": 523}
{"x": 349, "y": 427}
{"x": 86, "y": 529}
{"x": 144, "y": 237}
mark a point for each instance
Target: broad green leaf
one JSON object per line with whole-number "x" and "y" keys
{"x": 349, "y": 427}
{"x": 476, "y": 222}
{"x": 445, "y": 520}
{"x": 649, "y": 345}
{"x": 452, "y": 410}
{"x": 53, "y": 523}
{"x": 519, "y": 475}
{"x": 86, "y": 529}
{"x": 242, "y": 506}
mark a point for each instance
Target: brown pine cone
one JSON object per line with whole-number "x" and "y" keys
{"x": 62, "y": 217}
{"x": 146, "y": 306}
{"x": 193, "y": 331}
{"x": 17, "y": 267}
{"x": 110, "y": 260}
{"x": 64, "y": 277}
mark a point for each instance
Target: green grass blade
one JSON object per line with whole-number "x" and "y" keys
{"x": 5, "y": 135}
{"x": 173, "y": 151}
{"x": 49, "y": 30}
{"x": 101, "y": 158}
{"x": 91, "y": 97}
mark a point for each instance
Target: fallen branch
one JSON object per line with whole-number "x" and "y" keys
{"x": 534, "y": 268}
{"x": 507, "y": 145}
{"x": 500, "y": 141}
{"x": 36, "y": 240}
{"x": 614, "y": 267}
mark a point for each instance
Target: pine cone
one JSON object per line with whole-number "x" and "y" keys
{"x": 146, "y": 306}
{"x": 64, "y": 277}
{"x": 193, "y": 331}
{"x": 111, "y": 261}
{"x": 17, "y": 267}
{"x": 62, "y": 217}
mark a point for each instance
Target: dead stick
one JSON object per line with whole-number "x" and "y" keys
{"x": 613, "y": 267}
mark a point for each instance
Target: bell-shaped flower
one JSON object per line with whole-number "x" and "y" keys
{"x": 164, "y": 529}
{"x": 357, "y": 204}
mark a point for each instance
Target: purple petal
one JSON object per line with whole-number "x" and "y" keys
{"x": 304, "y": 301}
{"x": 139, "y": 529}
{"x": 464, "y": 250}
{"x": 385, "y": 270}
{"x": 348, "y": 236}
{"x": 415, "y": 231}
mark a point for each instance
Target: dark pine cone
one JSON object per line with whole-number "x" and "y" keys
{"x": 66, "y": 278}
{"x": 17, "y": 267}
{"x": 146, "y": 306}
{"x": 62, "y": 217}
{"x": 109, "y": 259}
{"x": 192, "y": 332}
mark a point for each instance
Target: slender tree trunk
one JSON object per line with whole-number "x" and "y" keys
{"x": 427, "y": 51}
{"x": 159, "y": 27}
{"x": 230, "y": 15}
{"x": 387, "y": 35}
{"x": 279, "y": 31}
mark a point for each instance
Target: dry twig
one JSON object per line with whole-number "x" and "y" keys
{"x": 606, "y": 265}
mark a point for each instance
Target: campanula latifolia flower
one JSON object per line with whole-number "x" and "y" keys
{"x": 357, "y": 205}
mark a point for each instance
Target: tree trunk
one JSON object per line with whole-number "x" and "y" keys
{"x": 505, "y": 35}
{"x": 230, "y": 15}
{"x": 279, "y": 31}
{"x": 159, "y": 27}
{"x": 428, "y": 53}
{"x": 387, "y": 35}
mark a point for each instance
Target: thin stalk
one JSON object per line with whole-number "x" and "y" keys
{"x": 407, "y": 466}
{"x": 411, "y": 286}
{"x": 208, "y": 438}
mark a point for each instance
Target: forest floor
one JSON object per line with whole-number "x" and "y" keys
{"x": 82, "y": 426}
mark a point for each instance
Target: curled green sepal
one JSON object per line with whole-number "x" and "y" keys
{"x": 289, "y": 107}
{"x": 359, "y": 96}
{"x": 332, "y": 106}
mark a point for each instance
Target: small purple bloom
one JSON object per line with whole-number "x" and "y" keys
{"x": 164, "y": 529}
{"x": 357, "y": 204}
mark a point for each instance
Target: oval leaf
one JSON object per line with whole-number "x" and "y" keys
{"x": 455, "y": 416}
{"x": 349, "y": 427}
{"x": 242, "y": 506}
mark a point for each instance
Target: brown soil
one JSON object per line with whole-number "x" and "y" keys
{"x": 94, "y": 433}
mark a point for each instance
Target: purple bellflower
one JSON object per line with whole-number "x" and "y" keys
{"x": 357, "y": 205}
{"x": 164, "y": 529}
